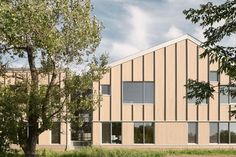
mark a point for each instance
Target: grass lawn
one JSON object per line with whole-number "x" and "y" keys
{"x": 98, "y": 152}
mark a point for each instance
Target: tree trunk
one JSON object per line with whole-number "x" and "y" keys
{"x": 30, "y": 146}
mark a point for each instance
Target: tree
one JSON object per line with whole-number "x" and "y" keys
{"x": 218, "y": 22}
{"x": 50, "y": 36}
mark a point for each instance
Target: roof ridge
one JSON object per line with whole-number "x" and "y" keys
{"x": 161, "y": 45}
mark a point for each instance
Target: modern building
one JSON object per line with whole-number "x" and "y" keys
{"x": 143, "y": 102}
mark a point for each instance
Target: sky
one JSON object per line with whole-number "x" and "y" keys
{"x": 134, "y": 25}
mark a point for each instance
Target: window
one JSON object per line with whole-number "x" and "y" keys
{"x": 232, "y": 132}
{"x": 106, "y": 89}
{"x": 226, "y": 96}
{"x": 56, "y": 133}
{"x": 81, "y": 134}
{"x": 224, "y": 132}
{"x": 111, "y": 133}
{"x": 213, "y": 76}
{"x": 144, "y": 133}
{"x": 214, "y": 132}
{"x": 194, "y": 100}
{"x": 192, "y": 132}
{"x": 138, "y": 92}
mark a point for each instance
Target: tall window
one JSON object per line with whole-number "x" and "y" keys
{"x": 111, "y": 133}
{"x": 138, "y": 92}
{"x": 224, "y": 132}
{"x": 214, "y": 132}
{"x": 213, "y": 76}
{"x": 192, "y": 132}
{"x": 106, "y": 89}
{"x": 56, "y": 133}
{"x": 144, "y": 132}
{"x": 232, "y": 132}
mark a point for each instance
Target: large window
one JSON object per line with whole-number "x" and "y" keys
{"x": 192, "y": 132}
{"x": 223, "y": 132}
{"x": 226, "y": 96}
{"x": 111, "y": 133}
{"x": 144, "y": 132}
{"x": 138, "y": 92}
{"x": 56, "y": 133}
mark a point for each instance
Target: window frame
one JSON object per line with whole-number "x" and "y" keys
{"x": 143, "y": 92}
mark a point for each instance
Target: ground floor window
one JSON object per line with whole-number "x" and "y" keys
{"x": 192, "y": 132}
{"x": 81, "y": 134}
{"x": 56, "y": 133}
{"x": 144, "y": 132}
{"x": 222, "y": 132}
{"x": 111, "y": 132}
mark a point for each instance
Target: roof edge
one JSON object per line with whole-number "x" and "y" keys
{"x": 143, "y": 52}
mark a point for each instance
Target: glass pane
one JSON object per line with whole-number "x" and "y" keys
{"x": 224, "y": 133}
{"x": 232, "y": 132}
{"x": 224, "y": 94}
{"x": 213, "y": 132}
{"x": 149, "y": 132}
{"x": 192, "y": 132}
{"x": 106, "y": 133}
{"x": 193, "y": 100}
{"x": 116, "y": 133}
{"x": 138, "y": 132}
{"x": 106, "y": 89}
{"x": 132, "y": 92}
{"x": 56, "y": 132}
{"x": 148, "y": 92}
{"x": 233, "y": 91}
{"x": 213, "y": 76}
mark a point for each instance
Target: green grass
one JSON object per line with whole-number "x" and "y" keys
{"x": 102, "y": 152}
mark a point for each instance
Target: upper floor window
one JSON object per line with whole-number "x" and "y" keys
{"x": 138, "y": 92}
{"x": 213, "y": 76}
{"x": 226, "y": 95}
{"x": 106, "y": 89}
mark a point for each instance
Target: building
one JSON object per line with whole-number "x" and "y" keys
{"x": 143, "y": 102}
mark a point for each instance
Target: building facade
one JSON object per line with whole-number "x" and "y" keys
{"x": 143, "y": 102}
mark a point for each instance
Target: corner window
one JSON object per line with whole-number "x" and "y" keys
{"x": 56, "y": 133}
{"x": 213, "y": 76}
{"x": 143, "y": 133}
{"x": 192, "y": 132}
{"x": 138, "y": 92}
{"x": 106, "y": 89}
{"x": 111, "y": 133}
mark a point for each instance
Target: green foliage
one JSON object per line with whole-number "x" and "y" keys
{"x": 218, "y": 22}
{"x": 49, "y": 36}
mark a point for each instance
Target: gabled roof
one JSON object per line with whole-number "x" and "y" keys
{"x": 162, "y": 45}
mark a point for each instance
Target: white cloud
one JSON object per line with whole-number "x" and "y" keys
{"x": 173, "y": 32}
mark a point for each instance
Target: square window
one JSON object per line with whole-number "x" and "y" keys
{"x": 213, "y": 76}
{"x": 106, "y": 89}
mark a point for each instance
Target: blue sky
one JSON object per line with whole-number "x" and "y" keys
{"x": 135, "y": 25}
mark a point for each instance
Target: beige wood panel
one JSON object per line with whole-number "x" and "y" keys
{"x": 192, "y": 112}
{"x": 202, "y": 112}
{"x": 105, "y": 79}
{"x": 214, "y": 66}
{"x": 170, "y": 82}
{"x": 203, "y": 74}
{"x": 138, "y": 69}
{"x": 233, "y": 107}
{"x": 96, "y": 133}
{"x": 115, "y": 90}
{"x": 43, "y": 79}
{"x": 159, "y": 84}
{"x": 224, "y": 79}
{"x": 45, "y": 138}
{"x": 148, "y": 112}
{"x": 181, "y": 80}
{"x": 96, "y": 108}
{"x": 105, "y": 108}
{"x": 126, "y": 112}
{"x": 148, "y": 67}
{"x": 127, "y": 133}
{"x": 63, "y": 133}
{"x": 138, "y": 112}
{"x": 166, "y": 133}
{"x": 224, "y": 112}
{"x": 127, "y": 71}
{"x": 203, "y": 133}
{"x": 213, "y": 105}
